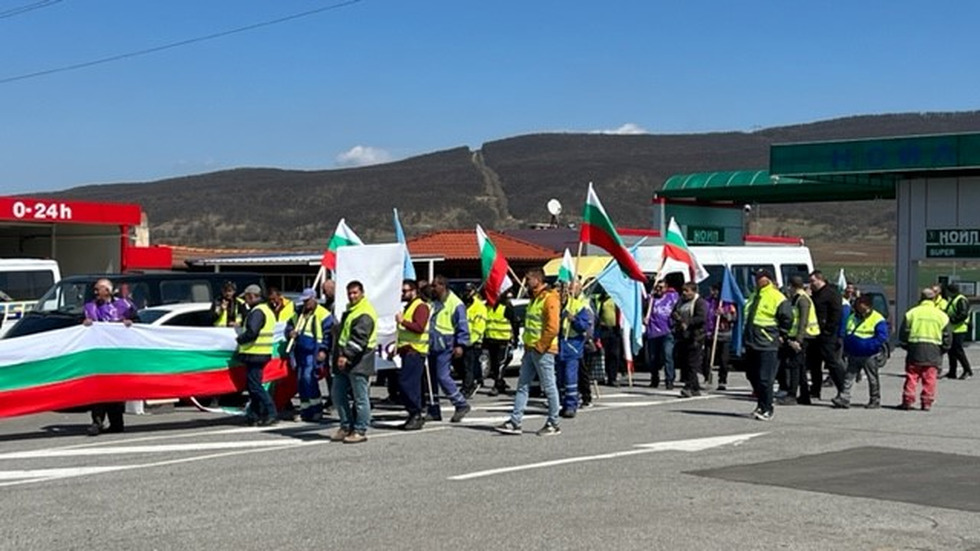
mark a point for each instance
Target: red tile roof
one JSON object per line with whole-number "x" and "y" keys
{"x": 461, "y": 245}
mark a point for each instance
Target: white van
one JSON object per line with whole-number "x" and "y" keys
{"x": 783, "y": 261}
{"x": 22, "y": 282}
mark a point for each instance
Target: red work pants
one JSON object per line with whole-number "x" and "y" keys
{"x": 913, "y": 373}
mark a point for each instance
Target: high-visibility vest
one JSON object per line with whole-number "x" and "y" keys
{"x": 812, "y": 326}
{"x": 865, "y": 329}
{"x": 264, "y": 343}
{"x": 312, "y": 326}
{"x": 765, "y": 313}
{"x": 941, "y": 303}
{"x": 574, "y": 306}
{"x": 498, "y": 326}
{"x": 418, "y": 341}
{"x": 236, "y": 304}
{"x": 925, "y": 323}
{"x": 362, "y": 308}
{"x": 287, "y": 311}
{"x": 607, "y": 313}
{"x": 534, "y": 321}
{"x": 444, "y": 319}
{"x": 963, "y": 326}
{"x": 476, "y": 315}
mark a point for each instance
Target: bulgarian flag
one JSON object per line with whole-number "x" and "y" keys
{"x": 495, "y": 268}
{"x": 567, "y": 268}
{"x": 677, "y": 256}
{"x": 598, "y": 230}
{"x": 108, "y": 362}
{"x": 342, "y": 237}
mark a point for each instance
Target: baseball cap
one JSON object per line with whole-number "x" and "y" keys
{"x": 763, "y": 272}
{"x": 307, "y": 294}
{"x": 253, "y": 289}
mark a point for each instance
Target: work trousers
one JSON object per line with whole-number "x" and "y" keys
{"x": 542, "y": 365}
{"x": 957, "y": 355}
{"x": 410, "y": 380}
{"x": 113, "y": 410}
{"x": 585, "y": 378}
{"x": 660, "y": 354}
{"x": 824, "y": 352}
{"x": 761, "y": 368}
{"x": 472, "y": 372}
{"x": 440, "y": 370}
{"x": 612, "y": 346}
{"x": 723, "y": 357}
{"x": 688, "y": 356}
{"x": 345, "y": 384}
{"x": 497, "y": 352}
{"x": 793, "y": 364}
{"x": 913, "y": 374}
{"x": 855, "y": 365}
{"x": 260, "y": 405}
{"x": 567, "y": 372}
{"x": 307, "y": 384}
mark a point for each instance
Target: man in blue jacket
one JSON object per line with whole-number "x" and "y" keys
{"x": 449, "y": 332}
{"x": 309, "y": 330}
{"x": 865, "y": 343}
{"x": 576, "y": 327}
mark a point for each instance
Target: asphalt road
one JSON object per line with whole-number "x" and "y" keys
{"x": 711, "y": 478}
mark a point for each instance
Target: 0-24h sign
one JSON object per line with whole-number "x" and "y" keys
{"x": 953, "y": 243}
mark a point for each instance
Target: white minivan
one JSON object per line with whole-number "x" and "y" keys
{"x": 784, "y": 261}
{"x": 22, "y": 282}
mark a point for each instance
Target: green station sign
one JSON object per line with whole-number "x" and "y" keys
{"x": 705, "y": 235}
{"x": 953, "y": 243}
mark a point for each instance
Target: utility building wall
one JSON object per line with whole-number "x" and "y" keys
{"x": 938, "y": 219}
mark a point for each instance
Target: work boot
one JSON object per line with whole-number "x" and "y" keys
{"x": 460, "y": 413}
{"x": 340, "y": 435}
{"x": 94, "y": 429}
{"x": 873, "y": 404}
{"x": 839, "y": 403}
{"x": 355, "y": 438}
{"x": 414, "y": 422}
{"x": 966, "y": 375}
{"x": 494, "y": 391}
{"x": 567, "y": 413}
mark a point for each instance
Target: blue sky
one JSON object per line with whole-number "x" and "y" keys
{"x": 388, "y": 79}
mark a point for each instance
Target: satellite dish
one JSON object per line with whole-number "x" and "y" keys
{"x": 554, "y": 207}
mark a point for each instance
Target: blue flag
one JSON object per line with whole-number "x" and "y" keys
{"x": 731, "y": 294}
{"x": 627, "y": 293}
{"x": 409, "y": 271}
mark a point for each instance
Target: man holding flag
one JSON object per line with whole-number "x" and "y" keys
{"x": 576, "y": 328}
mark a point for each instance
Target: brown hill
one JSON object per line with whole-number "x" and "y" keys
{"x": 504, "y": 184}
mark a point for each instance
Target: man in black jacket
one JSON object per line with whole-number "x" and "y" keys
{"x": 689, "y": 315}
{"x": 826, "y": 347}
{"x": 958, "y": 310}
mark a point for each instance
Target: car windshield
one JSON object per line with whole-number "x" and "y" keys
{"x": 70, "y": 296}
{"x": 150, "y": 315}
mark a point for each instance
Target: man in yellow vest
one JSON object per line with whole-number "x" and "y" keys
{"x": 958, "y": 311}
{"x": 413, "y": 347}
{"x": 476, "y": 318}
{"x": 255, "y": 348}
{"x": 925, "y": 334}
{"x": 793, "y": 351}
{"x": 309, "y": 332}
{"x": 354, "y": 366}
{"x": 280, "y": 305}
{"x": 449, "y": 333}
{"x": 576, "y": 327}
{"x": 228, "y": 310}
{"x": 866, "y": 345}
{"x": 499, "y": 339}
{"x": 541, "y": 327}
{"x": 768, "y": 318}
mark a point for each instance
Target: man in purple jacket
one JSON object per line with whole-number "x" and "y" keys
{"x": 659, "y": 343}
{"x": 107, "y": 308}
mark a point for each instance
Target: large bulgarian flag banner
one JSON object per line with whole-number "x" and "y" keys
{"x": 598, "y": 230}
{"x": 495, "y": 268}
{"x": 109, "y": 362}
{"x": 343, "y": 236}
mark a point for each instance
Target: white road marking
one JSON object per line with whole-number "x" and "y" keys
{"x": 161, "y": 448}
{"x": 46, "y": 475}
{"x": 693, "y": 445}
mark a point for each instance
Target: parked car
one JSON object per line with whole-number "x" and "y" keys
{"x": 194, "y": 314}
{"x": 62, "y": 305}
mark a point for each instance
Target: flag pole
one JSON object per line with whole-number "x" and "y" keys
{"x": 517, "y": 279}
{"x": 714, "y": 339}
{"x": 320, "y": 274}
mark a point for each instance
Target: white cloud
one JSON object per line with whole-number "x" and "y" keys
{"x": 629, "y": 128}
{"x": 362, "y": 155}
